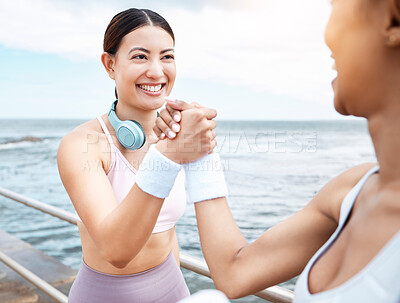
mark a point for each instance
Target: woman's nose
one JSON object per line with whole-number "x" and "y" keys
{"x": 155, "y": 70}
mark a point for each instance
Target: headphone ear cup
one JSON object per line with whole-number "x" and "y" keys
{"x": 143, "y": 134}
{"x": 125, "y": 136}
{"x": 131, "y": 135}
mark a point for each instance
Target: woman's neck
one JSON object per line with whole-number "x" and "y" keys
{"x": 384, "y": 129}
{"x": 146, "y": 118}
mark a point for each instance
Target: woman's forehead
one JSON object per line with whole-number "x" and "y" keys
{"x": 151, "y": 36}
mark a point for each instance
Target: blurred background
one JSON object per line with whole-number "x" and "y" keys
{"x": 262, "y": 64}
{"x": 251, "y": 60}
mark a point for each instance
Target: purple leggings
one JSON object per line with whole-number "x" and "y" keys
{"x": 163, "y": 283}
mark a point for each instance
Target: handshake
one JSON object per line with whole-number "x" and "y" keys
{"x": 187, "y": 145}
{"x": 186, "y": 131}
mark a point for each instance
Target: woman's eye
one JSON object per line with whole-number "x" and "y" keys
{"x": 169, "y": 57}
{"x": 140, "y": 57}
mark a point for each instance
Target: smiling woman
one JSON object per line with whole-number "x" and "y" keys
{"x": 151, "y": 29}
{"x": 129, "y": 244}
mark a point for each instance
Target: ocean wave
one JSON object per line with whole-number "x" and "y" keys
{"x": 24, "y": 139}
{"x": 21, "y": 142}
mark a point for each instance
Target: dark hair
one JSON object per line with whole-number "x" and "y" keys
{"x": 127, "y": 21}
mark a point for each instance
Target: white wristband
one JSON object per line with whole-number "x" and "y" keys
{"x": 157, "y": 173}
{"x": 205, "y": 179}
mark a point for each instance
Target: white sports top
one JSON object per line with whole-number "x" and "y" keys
{"x": 378, "y": 281}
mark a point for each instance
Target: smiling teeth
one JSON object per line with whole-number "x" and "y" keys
{"x": 151, "y": 88}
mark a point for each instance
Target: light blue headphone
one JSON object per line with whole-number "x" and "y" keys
{"x": 129, "y": 132}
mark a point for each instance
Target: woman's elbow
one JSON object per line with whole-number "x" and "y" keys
{"x": 114, "y": 251}
{"x": 117, "y": 258}
{"x": 230, "y": 292}
{"x": 233, "y": 285}
{"x": 229, "y": 289}
{"x": 120, "y": 264}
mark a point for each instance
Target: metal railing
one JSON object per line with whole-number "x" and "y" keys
{"x": 35, "y": 280}
{"x": 274, "y": 294}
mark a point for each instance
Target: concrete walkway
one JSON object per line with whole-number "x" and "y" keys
{"x": 14, "y": 288}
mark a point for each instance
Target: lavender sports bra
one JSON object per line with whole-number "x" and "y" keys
{"x": 121, "y": 175}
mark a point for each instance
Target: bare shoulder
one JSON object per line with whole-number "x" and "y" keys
{"x": 81, "y": 137}
{"x": 84, "y": 143}
{"x": 329, "y": 199}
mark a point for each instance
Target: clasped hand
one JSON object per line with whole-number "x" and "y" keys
{"x": 186, "y": 131}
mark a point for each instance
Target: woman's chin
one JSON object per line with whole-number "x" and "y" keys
{"x": 341, "y": 111}
{"x": 154, "y": 102}
{"x": 339, "y": 107}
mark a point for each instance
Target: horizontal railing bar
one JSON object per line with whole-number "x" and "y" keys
{"x": 274, "y": 294}
{"x": 43, "y": 207}
{"x": 35, "y": 280}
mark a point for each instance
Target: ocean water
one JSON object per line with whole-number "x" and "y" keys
{"x": 273, "y": 169}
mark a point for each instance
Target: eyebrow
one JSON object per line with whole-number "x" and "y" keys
{"x": 167, "y": 50}
{"x": 148, "y": 52}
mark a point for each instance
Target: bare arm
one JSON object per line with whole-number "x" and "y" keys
{"x": 281, "y": 253}
{"x": 90, "y": 191}
{"x": 121, "y": 230}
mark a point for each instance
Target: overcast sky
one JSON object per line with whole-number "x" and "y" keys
{"x": 252, "y": 60}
